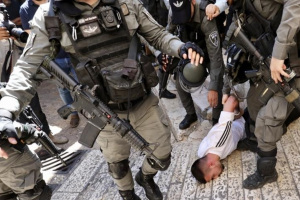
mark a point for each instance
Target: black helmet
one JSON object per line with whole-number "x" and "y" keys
{"x": 191, "y": 77}
{"x": 237, "y": 64}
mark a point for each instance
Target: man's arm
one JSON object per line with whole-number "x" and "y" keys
{"x": 22, "y": 84}
{"x": 213, "y": 45}
{"x": 286, "y": 32}
{"x": 213, "y": 10}
{"x": 154, "y": 33}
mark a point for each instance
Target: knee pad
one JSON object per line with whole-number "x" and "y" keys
{"x": 165, "y": 161}
{"x": 40, "y": 192}
{"x": 118, "y": 170}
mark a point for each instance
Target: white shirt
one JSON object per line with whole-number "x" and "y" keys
{"x": 222, "y": 5}
{"x": 223, "y": 138}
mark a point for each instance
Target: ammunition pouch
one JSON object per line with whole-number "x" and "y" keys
{"x": 150, "y": 75}
{"x": 90, "y": 74}
{"x": 120, "y": 89}
{"x": 252, "y": 26}
{"x": 265, "y": 44}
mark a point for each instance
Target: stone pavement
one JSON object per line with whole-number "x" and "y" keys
{"x": 87, "y": 178}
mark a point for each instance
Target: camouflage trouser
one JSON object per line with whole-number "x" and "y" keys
{"x": 145, "y": 119}
{"x": 269, "y": 118}
{"x": 20, "y": 172}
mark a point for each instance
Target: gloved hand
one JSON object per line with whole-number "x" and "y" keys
{"x": 193, "y": 52}
{"x": 7, "y": 130}
{"x": 29, "y": 133}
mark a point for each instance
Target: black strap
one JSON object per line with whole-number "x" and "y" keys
{"x": 7, "y": 62}
{"x": 133, "y": 48}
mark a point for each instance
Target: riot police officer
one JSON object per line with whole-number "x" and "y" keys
{"x": 97, "y": 35}
{"x": 281, "y": 41}
{"x": 194, "y": 26}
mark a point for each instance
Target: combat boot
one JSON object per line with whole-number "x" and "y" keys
{"x": 150, "y": 187}
{"x": 129, "y": 195}
{"x": 265, "y": 173}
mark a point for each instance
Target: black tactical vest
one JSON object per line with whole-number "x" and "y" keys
{"x": 101, "y": 42}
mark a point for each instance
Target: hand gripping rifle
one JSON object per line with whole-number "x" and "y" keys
{"x": 40, "y": 137}
{"x": 27, "y": 115}
{"x": 99, "y": 113}
{"x": 291, "y": 95}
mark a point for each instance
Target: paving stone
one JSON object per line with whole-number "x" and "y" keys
{"x": 201, "y": 132}
{"x": 106, "y": 183}
{"x": 234, "y": 168}
{"x": 182, "y": 164}
{"x": 235, "y": 190}
{"x": 220, "y": 184}
{"x": 83, "y": 173}
{"x": 289, "y": 194}
{"x": 174, "y": 191}
{"x": 270, "y": 191}
{"x": 285, "y": 179}
{"x": 204, "y": 190}
{"x": 64, "y": 196}
{"x": 190, "y": 184}
{"x": 291, "y": 151}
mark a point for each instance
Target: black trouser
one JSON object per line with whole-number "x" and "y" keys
{"x": 36, "y": 107}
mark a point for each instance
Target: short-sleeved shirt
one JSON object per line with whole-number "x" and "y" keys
{"x": 27, "y": 11}
{"x": 13, "y": 9}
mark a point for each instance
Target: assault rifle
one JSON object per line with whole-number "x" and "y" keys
{"x": 171, "y": 65}
{"x": 98, "y": 113}
{"x": 28, "y": 116}
{"x": 291, "y": 95}
{"x": 40, "y": 137}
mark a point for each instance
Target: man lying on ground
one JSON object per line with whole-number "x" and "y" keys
{"x": 220, "y": 142}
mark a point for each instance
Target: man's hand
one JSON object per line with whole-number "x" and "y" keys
{"x": 17, "y": 21}
{"x": 7, "y": 130}
{"x": 4, "y": 34}
{"x": 277, "y": 68}
{"x": 193, "y": 52}
{"x": 163, "y": 60}
{"x": 224, "y": 98}
{"x": 212, "y": 11}
{"x": 212, "y": 98}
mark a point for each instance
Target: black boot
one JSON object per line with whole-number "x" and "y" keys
{"x": 129, "y": 195}
{"x": 265, "y": 173}
{"x": 187, "y": 121}
{"x": 150, "y": 187}
{"x": 247, "y": 144}
{"x": 168, "y": 95}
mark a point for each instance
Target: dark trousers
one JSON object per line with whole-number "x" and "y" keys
{"x": 36, "y": 107}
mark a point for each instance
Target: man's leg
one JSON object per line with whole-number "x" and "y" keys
{"x": 65, "y": 95}
{"x": 188, "y": 104}
{"x": 268, "y": 130}
{"x": 21, "y": 173}
{"x": 217, "y": 110}
{"x": 116, "y": 152}
{"x": 166, "y": 93}
{"x": 146, "y": 120}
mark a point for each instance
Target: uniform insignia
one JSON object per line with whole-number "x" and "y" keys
{"x": 214, "y": 38}
{"x": 177, "y": 4}
{"x": 125, "y": 9}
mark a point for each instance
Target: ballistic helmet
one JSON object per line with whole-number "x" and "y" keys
{"x": 191, "y": 76}
{"x": 237, "y": 64}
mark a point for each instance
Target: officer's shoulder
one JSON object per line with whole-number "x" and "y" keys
{"x": 131, "y": 2}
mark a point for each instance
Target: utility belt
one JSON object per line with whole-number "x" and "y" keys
{"x": 125, "y": 105}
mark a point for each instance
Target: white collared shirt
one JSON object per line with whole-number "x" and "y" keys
{"x": 223, "y": 138}
{"x": 222, "y": 5}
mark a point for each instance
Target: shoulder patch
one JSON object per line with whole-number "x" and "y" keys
{"x": 125, "y": 9}
{"x": 214, "y": 38}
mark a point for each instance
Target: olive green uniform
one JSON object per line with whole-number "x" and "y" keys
{"x": 207, "y": 32}
{"x": 269, "y": 118}
{"x": 144, "y": 116}
{"x": 20, "y": 172}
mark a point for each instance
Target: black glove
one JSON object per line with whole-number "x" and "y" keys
{"x": 29, "y": 133}
{"x": 184, "y": 49}
{"x": 160, "y": 58}
{"x": 7, "y": 129}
